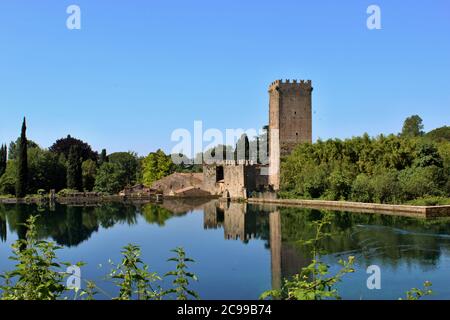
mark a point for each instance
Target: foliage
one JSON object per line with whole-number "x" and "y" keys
{"x": 13, "y": 150}
{"x": 37, "y": 275}
{"x": 128, "y": 161}
{"x": 385, "y": 169}
{"x": 111, "y": 178}
{"x": 185, "y": 164}
{"x": 133, "y": 278}
{"x": 63, "y": 146}
{"x": 89, "y": 172}
{"x": 46, "y": 171}
{"x": 441, "y": 134}
{"x": 430, "y": 201}
{"x": 218, "y": 153}
{"x": 66, "y": 192}
{"x": 314, "y": 281}
{"x": 242, "y": 150}
{"x": 74, "y": 169}
{"x": 22, "y": 164}
{"x": 182, "y": 276}
{"x": 412, "y": 127}
{"x": 3, "y": 159}
{"x": 155, "y": 166}
{"x": 416, "y": 294}
{"x": 103, "y": 157}
{"x": 8, "y": 179}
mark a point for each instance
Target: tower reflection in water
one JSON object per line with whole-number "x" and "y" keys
{"x": 245, "y": 222}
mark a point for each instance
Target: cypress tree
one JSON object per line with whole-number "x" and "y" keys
{"x": 3, "y": 159}
{"x": 74, "y": 170}
{"x": 22, "y": 163}
{"x": 103, "y": 157}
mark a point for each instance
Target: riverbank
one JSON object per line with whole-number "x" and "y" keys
{"x": 80, "y": 200}
{"x": 388, "y": 209}
{"x": 357, "y": 207}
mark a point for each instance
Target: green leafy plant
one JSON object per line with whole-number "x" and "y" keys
{"x": 182, "y": 276}
{"x": 37, "y": 274}
{"x": 314, "y": 281}
{"x": 417, "y": 294}
{"x": 133, "y": 276}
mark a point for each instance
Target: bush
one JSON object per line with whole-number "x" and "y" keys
{"x": 386, "y": 187}
{"x": 362, "y": 189}
{"x": 430, "y": 201}
{"x": 339, "y": 185}
{"x": 66, "y": 192}
{"x": 419, "y": 182}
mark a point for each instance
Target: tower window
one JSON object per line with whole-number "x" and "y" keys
{"x": 219, "y": 173}
{"x": 296, "y": 134}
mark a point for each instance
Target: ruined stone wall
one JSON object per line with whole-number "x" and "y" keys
{"x": 209, "y": 179}
{"x": 234, "y": 181}
{"x": 240, "y": 180}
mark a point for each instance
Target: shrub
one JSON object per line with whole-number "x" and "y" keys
{"x": 419, "y": 182}
{"x": 66, "y": 192}
{"x": 386, "y": 188}
{"x": 362, "y": 189}
{"x": 340, "y": 185}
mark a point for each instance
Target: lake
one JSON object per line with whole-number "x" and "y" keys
{"x": 241, "y": 250}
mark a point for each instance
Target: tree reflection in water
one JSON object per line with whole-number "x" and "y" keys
{"x": 370, "y": 237}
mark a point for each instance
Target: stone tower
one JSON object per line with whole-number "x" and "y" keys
{"x": 290, "y": 121}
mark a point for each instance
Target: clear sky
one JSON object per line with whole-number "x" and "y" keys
{"x": 137, "y": 70}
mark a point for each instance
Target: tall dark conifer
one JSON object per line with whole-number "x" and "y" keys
{"x": 3, "y": 159}
{"x": 74, "y": 170}
{"x": 22, "y": 163}
{"x": 103, "y": 157}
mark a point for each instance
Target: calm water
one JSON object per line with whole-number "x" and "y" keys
{"x": 241, "y": 250}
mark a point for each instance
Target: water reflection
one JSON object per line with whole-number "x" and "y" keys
{"x": 389, "y": 239}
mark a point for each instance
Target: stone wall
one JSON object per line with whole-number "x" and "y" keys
{"x": 239, "y": 180}
{"x": 290, "y": 121}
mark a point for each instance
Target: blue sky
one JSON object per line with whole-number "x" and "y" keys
{"x": 137, "y": 70}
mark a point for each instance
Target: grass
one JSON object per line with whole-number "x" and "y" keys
{"x": 423, "y": 201}
{"x": 430, "y": 201}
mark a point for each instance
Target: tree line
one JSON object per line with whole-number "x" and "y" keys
{"x": 70, "y": 163}
{"x": 412, "y": 166}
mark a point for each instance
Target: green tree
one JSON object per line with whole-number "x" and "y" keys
{"x": 46, "y": 171}
{"x": 111, "y": 178}
{"x": 13, "y": 152}
{"x": 89, "y": 169}
{"x": 155, "y": 166}
{"x": 74, "y": 170}
{"x": 441, "y": 134}
{"x": 242, "y": 150}
{"x": 103, "y": 157}
{"x": 362, "y": 189}
{"x": 3, "y": 159}
{"x": 412, "y": 127}
{"x": 9, "y": 178}
{"x": 63, "y": 146}
{"x": 128, "y": 161}
{"x": 22, "y": 164}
